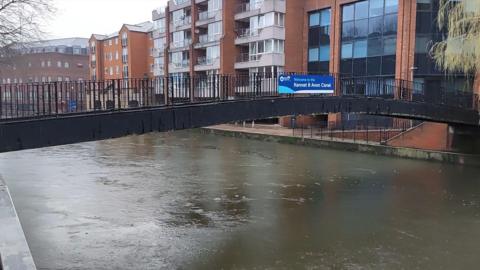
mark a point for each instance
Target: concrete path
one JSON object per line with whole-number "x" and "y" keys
{"x": 14, "y": 251}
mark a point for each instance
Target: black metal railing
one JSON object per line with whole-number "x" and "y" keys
{"x": 59, "y": 98}
{"x": 370, "y": 131}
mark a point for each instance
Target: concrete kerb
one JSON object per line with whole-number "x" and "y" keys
{"x": 409, "y": 153}
{"x": 14, "y": 251}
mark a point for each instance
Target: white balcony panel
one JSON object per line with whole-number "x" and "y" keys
{"x": 271, "y": 32}
{"x": 269, "y": 59}
{"x": 172, "y": 6}
{"x": 213, "y": 65}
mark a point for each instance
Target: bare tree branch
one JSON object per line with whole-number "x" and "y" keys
{"x": 21, "y": 22}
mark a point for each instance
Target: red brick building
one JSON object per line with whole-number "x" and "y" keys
{"x": 47, "y": 61}
{"x": 125, "y": 54}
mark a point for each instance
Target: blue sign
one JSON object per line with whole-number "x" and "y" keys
{"x": 72, "y": 105}
{"x": 306, "y": 84}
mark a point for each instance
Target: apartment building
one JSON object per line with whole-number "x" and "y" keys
{"x": 203, "y": 37}
{"x": 376, "y": 40}
{"x": 367, "y": 38}
{"x": 128, "y": 53}
{"x": 47, "y": 61}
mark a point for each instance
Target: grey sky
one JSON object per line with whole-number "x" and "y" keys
{"x": 81, "y": 18}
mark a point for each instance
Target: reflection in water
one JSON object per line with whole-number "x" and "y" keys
{"x": 192, "y": 201}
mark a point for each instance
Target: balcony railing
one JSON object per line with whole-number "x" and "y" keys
{"x": 182, "y": 64}
{"x": 181, "y": 44}
{"x": 246, "y": 57}
{"x": 205, "y": 15}
{"x": 179, "y": 2}
{"x": 185, "y": 21}
{"x": 204, "y": 61}
{"x": 247, "y": 32}
{"x": 208, "y": 38}
{"x": 246, "y": 7}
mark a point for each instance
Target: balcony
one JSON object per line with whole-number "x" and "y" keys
{"x": 158, "y": 14}
{"x": 180, "y": 45}
{"x": 159, "y": 70}
{"x": 178, "y": 4}
{"x": 246, "y": 57}
{"x": 247, "y": 32}
{"x": 206, "y": 17}
{"x": 245, "y": 60}
{"x": 177, "y": 67}
{"x": 158, "y": 33}
{"x": 246, "y": 10}
{"x": 158, "y": 52}
{"x": 204, "y": 63}
{"x": 182, "y": 24}
{"x": 246, "y": 35}
{"x": 206, "y": 40}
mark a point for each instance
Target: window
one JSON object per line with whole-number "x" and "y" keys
{"x": 369, "y": 38}
{"x": 314, "y": 19}
{"x": 67, "y": 65}
{"x": 43, "y": 64}
{"x": 213, "y": 52}
{"x": 214, "y": 5}
{"x": 319, "y": 41}
{"x": 214, "y": 31}
{"x": 49, "y": 63}
{"x": 313, "y": 54}
{"x": 360, "y": 49}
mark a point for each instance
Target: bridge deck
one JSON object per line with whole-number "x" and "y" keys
{"x": 89, "y": 126}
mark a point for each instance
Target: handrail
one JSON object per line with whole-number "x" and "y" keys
{"x": 57, "y": 98}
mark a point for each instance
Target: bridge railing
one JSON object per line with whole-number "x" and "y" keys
{"x": 389, "y": 88}
{"x": 58, "y": 98}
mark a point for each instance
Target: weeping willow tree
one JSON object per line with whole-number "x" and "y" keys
{"x": 460, "y": 51}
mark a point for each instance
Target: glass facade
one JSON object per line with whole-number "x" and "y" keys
{"x": 319, "y": 41}
{"x": 369, "y": 38}
{"x": 426, "y": 33}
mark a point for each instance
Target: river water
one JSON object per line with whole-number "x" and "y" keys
{"x": 188, "y": 200}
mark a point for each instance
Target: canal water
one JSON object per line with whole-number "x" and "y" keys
{"x": 188, "y": 200}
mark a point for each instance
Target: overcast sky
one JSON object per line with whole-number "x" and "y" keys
{"x": 81, "y": 18}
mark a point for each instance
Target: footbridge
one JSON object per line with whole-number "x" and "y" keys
{"x": 47, "y": 114}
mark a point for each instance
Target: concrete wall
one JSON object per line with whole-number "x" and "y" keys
{"x": 14, "y": 251}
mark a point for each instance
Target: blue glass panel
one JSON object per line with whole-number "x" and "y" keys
{"x": 325, "y": 17}
{"x": 360, "y": 49}
{"x": 314, "y": 19}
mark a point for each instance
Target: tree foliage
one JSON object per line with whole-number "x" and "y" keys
{"x": 460, "y": 51}
{"x": 21, "y": 21}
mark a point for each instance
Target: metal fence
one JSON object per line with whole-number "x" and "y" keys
{"x": 368, "y": 131}
{"x": 58, "y": 98}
